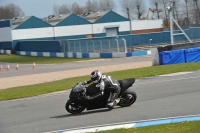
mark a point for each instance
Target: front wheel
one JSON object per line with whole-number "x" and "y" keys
{"x": 127, "y": 98}
{"x": 74, "y": 107}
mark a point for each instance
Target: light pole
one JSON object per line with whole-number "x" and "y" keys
{"x": 150, "y": 41}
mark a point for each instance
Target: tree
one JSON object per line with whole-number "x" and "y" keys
{"x": 63, "y": 9}
{"x": 165, "y": 2}
{"x": 140, "y": 8}
{"x": 136, "y": 6}
{"x": 91, "y": 6}
{"x": 77, "y": 9}
{"x": 157, "y": 4}
{"x": 186, "y": 3}
{"x": 127, "y": 6}
{"x": 197, "y": 11}
{"x": 106, "y": 5}
{"x": 10, "y": 11}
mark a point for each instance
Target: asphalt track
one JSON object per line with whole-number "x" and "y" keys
{"x": 158, "y": 97}
{"x": 26, "y": 69}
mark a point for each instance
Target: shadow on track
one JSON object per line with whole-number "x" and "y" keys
{"x": 85, "y": 113}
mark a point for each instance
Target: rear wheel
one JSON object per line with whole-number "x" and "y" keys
{"x": 74, "y": 108}
{"x": 127, "y": 98}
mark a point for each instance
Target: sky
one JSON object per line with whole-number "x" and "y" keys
{"x": 43, "y": 8}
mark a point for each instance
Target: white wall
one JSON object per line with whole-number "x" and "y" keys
{"x": 5, "y": 34}
{"x": 146, "y": 24}
{"x": 32, "y": 33}
{"x": 73, "y": 30}
{"x": 100, "y": 28}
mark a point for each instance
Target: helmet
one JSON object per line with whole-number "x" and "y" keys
{"x": 96, "y": 76}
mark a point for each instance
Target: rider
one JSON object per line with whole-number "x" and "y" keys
{"x": 105, "y": 82}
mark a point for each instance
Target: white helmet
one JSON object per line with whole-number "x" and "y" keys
{"x": 96, "y": 76}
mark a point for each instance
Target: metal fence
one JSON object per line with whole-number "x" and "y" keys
{"x": 94, "y": 46}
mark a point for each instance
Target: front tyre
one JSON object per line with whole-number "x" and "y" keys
{"x": 127, "y": 98}
{"x": 74, "y": 107}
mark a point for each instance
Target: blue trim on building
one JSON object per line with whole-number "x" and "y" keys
{"x": 6, "y": 45}
{"x": 124, "y": 33}
{"x": 39, "y": 46}
{"x": 33, "y": 22}
{"x": 73, "y": 19}
{"x": 111, "y": 17}
{"x": 71, "y": 37}
{"x": 99, "y": 35}
{"x": 5, "y": 23}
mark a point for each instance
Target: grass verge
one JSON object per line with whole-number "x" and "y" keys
{"x": 182, "y": 127}
{"x": 39, "y": 60}
{"x": 38, "y": 89}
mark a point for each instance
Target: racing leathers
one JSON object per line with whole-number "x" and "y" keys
{"x": 111, "y": 85}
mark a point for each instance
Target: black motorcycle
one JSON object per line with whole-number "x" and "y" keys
{"x": 77, "y": 101}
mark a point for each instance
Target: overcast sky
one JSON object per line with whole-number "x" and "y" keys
{"x": 43, "y": 8}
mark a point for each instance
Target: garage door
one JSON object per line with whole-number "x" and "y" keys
{"x": 112, "y": 32}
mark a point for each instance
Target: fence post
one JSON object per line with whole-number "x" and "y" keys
{"x": 109, "y": 45}
{"x": 93, "y": 45}
{"x": 117, "y": 45}
{"x": 69, "y": 46}
{"x": 74, "y": 47}
{"x": 86, "y": 45}
{"x": 79, "y": 46}
{"x": 101, "y": 45}
{"x": 125, "y": 45}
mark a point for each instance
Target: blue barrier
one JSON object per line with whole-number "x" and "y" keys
{"x": 180, "y": 56}
{"x": 172, "y": 57}
{"x": 192, "y": 54}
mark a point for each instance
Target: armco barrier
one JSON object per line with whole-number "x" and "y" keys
{"x": 179, "y": 56}
{"x": 132, "y": 124}
{"x": 5, "y": 51}
{"x": 84, "y": 55}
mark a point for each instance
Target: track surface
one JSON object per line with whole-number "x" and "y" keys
{"x": 158, "y": 97}
{"x": 27, "y": 69}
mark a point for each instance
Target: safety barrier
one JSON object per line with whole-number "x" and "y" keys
{"x": 179, "y": 56}
{"x": 84, "y": 55}
{"x": 5, "y": 51}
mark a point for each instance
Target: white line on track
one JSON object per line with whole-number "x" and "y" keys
{"x": 103, "y": 125}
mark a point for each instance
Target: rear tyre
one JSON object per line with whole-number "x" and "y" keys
{"x": 127, "y": 98}
{"x": 74, "y": 108}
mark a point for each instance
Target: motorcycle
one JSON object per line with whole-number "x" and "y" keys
{"x": 77, "y": 102}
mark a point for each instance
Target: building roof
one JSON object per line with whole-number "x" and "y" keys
{"x": 93, "y": 16}
{"x": 55, "y": 19}
{"x": 19, "y": 20}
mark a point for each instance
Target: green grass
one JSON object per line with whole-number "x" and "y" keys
{"x": 21, "y": 59}
{"x": 182, "y": 127}
{"x": 38, "y": 89}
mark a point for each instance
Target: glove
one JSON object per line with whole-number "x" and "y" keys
{"x": 84, "y": 83}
